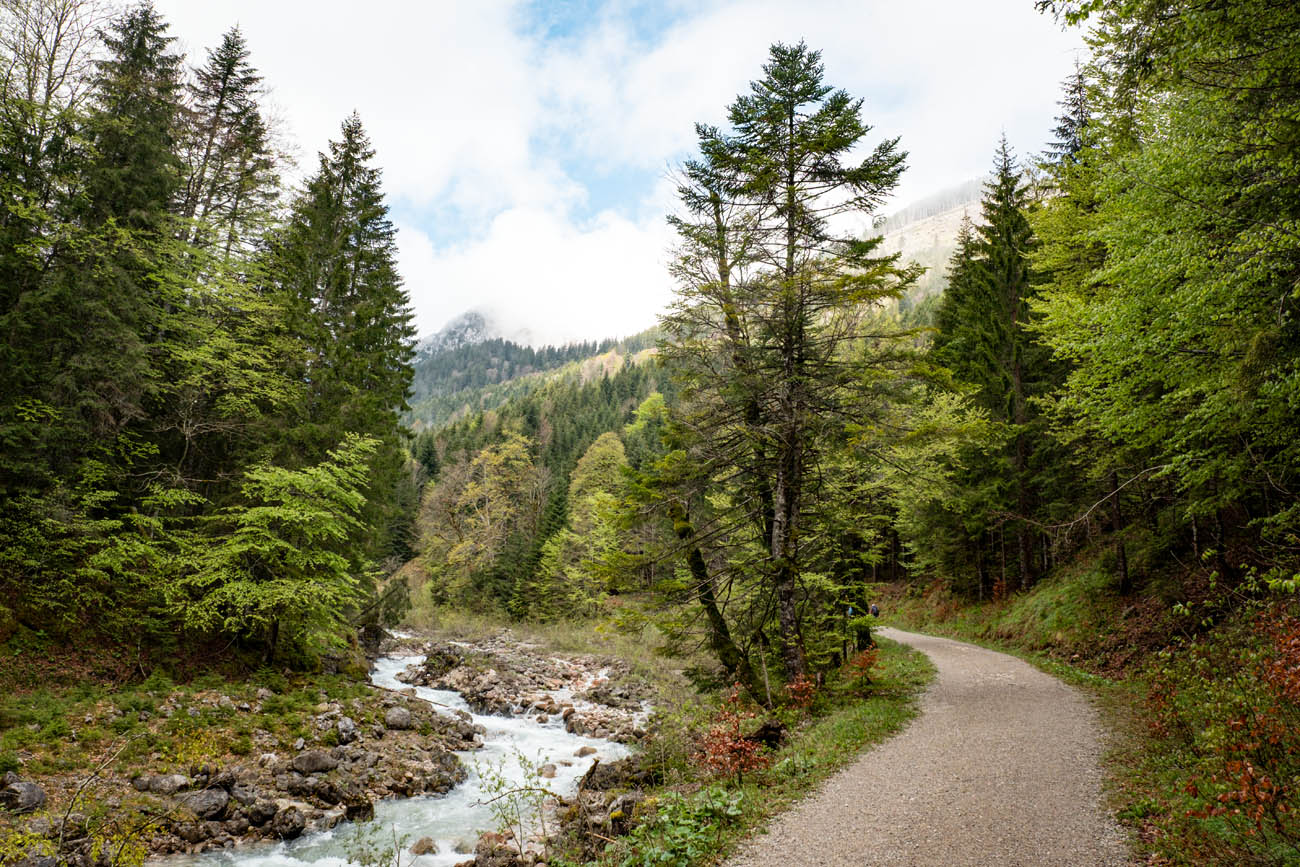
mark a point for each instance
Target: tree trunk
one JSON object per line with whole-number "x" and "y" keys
{"x": 271, "y": 641}
{"x": 1121, "y": 555}
{"x": 785, "y": 570}
{"x": 720, "y": 640}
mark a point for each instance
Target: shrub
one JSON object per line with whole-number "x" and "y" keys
{"x": 683, "y": 831}
{"x": 724, "y": 748}
{"x": 1230, "y": 707}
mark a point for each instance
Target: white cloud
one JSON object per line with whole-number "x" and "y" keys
{"x": 533, "y": 271}
{"x": 471, "y": 118}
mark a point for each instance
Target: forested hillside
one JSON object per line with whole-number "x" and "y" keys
{"x": 453, "y": 380}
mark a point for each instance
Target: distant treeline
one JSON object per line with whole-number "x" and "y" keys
{"x": 480, "y": 376}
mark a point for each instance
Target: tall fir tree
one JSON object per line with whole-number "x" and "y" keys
{"x": 230, "y": 175}
{"x": 984, "y": 337}
{"x": 771, "y": 297}
{"x": 336, "y": 266}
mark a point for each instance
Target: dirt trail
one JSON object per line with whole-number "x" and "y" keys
{"x": 1002, "y": 767}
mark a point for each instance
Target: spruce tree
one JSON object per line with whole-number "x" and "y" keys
{"x": 135, "y": 170}
{"x": 985, "y": 338}
{"x": 336, "y": 267}
{"x": 230, "y": 172}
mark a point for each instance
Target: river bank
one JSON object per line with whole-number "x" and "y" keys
{"x": 205, "y": 768}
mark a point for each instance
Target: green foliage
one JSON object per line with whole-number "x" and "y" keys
{"x": 290, "y": 559}
{"x": 371, "y": 845}
{"x": 154, "y": 369}
{"x": 539, "y": 548}
{"x": 684, "y": 829}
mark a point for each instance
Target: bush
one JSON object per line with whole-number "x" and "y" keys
{"x": 683, "y": 831}
{"x": 1228, "y": 710}
{"x": 724, "y": 748}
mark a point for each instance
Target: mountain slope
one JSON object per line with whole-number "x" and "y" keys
{"x": 926, "y": 233}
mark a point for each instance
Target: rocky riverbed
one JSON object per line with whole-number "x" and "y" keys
{"x": 382, "y": 746}
{"x": 503, "y": 677}
{"x": 351, "y": 754}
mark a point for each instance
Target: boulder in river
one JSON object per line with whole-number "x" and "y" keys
{"x": 288, "y": 823}
{"x": 424, "y": 846}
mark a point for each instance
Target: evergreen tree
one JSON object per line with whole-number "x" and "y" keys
{"x": 769, "y": 302}
{"x": 336, "y": 266}
{"x": 135, "y": 169}
{"x": 984, "y": 337}
{"x": 1072, "y": 123}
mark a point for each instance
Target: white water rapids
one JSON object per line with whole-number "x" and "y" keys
{"x": 452, "y": 820}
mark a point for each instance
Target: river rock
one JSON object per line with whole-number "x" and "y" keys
{"x": 39, "y": 861}
{"x": 22, "y": 796}
{"x": 288, "y": 823}
{"x": 314, "y": 762}
{"x": 492, "y": 850}
{"x": 244, "y": 795}
{"x": 359, "y": 809}
{"x": 261, "y": 812}
{"x": 585, "y": 751}
{"x": 206, "y": 803}
{"x": 169, "y": 784}
{"x": 398, "y": 719}
{"x": 424, "y": 846}
{"x": 547, "y": 771}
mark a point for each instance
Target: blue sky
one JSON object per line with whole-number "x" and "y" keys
{"x": 526, "y": 144}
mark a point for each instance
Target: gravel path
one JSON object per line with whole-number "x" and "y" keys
{"x": 1000, "y": 768}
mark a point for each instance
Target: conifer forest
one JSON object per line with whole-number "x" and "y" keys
{"x": 225, "y": 457}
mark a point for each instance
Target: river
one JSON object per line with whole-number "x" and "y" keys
{"x": 452, "y": 820}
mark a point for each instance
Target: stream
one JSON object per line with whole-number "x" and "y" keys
{"x": 452, "y": 820}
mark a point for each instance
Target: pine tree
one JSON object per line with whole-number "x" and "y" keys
{"x": 135, "y": 170}
{"x": 230, "y": 174}
{"x": 1072, "y": 123}
{"x": 985, "y": 339}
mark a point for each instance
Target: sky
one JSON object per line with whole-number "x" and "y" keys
{"x": 527, "y": 146}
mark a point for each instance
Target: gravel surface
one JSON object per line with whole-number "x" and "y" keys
{"x": 1002, "y": 767}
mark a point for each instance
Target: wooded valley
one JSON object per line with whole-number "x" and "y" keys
{"x": 219, "y": 448}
